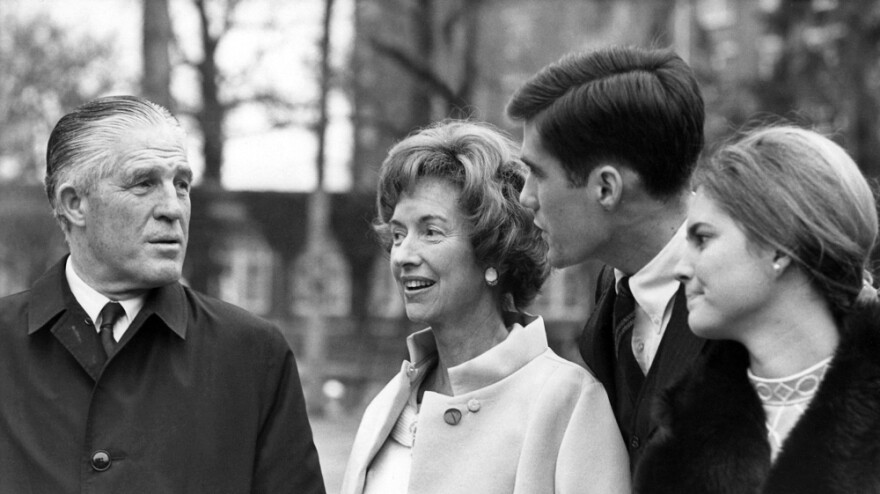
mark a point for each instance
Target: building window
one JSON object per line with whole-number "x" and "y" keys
{"x": 247, "y": 277}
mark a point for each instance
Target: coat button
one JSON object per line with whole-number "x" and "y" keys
{"x": 452, "y": 416}
{"x": 634, "y": 442}
{"x": 474, "y": 406}
{"x": 88, "y": 322}
{"x": 100, "y": 460}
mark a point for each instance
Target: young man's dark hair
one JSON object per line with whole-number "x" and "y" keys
{"x": 641, "y": 108}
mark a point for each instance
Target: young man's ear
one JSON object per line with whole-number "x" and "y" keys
{"x": 73, "y": 205}
{"x": 607, "y": 183}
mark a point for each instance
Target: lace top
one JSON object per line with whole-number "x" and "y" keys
{"x": 785, "y": 400}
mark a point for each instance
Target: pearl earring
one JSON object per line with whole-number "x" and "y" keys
{"x": 491, "y": 276}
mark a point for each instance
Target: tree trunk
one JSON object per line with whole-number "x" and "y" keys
{"x": 212, "y": 113}
{"x": 156, "y": 81}
{"x": 320, "y": 242}
{"x": 423, "y": 39}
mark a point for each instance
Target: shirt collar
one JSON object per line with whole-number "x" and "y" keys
{"x": 93, "y": 301}
{"x": 654, "y": 286}
{"x": 51, "y": 296}
{"x": 522, "y": 345}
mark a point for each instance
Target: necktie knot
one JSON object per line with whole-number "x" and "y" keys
{"x": 109, "y": 315}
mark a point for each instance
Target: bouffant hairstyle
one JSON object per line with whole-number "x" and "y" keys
{"x": 481, "y": 162}
{"x": 798, "y": 192}
{"x": 635, "y": 107}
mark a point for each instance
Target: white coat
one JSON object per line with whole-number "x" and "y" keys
{"x": 530, "y": 423}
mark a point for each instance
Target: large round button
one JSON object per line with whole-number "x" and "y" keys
{"x": 452, "y": 416}
{"x": 100, "y": 460}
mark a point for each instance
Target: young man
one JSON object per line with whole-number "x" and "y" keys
{"x": 116, "y": 378}
{"x": 611, "y": 138}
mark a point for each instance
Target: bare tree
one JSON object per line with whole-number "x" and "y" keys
{"x": 222, "y": 91}
{"x": 827, "y": 72}
{"x": 456, "y": 26}
{"x": 45, "y": 73}
{"x": 212, "y": 113}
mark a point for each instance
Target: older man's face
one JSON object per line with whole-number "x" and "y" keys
{"x": 137, "y": 218}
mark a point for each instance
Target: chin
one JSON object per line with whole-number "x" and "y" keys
{"x": 162, "y": 275}
{"x": 703, "y": 328}
{"x": 414, "y": 317}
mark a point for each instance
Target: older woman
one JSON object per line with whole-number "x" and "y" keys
{"x": 482, "y": 405}
{"x": 780, "y": 232}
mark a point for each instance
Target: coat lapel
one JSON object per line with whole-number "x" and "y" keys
{"x": 375, "y": 428}
{"x": 55, "y": 309}
{"x": 80, "y": 338}
{"x": 596, "y": 342}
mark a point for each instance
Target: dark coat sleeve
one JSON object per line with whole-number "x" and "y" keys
{"x": 286, "y": 458}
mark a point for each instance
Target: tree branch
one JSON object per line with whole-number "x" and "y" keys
{"x": 414, "y": 67}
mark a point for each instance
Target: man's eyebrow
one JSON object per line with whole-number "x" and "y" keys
{"x": 187, "y": 173}
{"x": 529, "y": 163}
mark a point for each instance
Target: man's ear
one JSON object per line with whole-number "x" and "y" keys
{"x": 73, "y": 204}
{"x": 608, "y": 185}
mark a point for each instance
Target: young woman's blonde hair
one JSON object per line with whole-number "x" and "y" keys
{"x": 798, "y": 192}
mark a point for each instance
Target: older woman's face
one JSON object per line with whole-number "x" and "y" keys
{"x": 728, "y": 280}
{"x": 432, "y": 258}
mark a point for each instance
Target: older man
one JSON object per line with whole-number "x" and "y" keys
{"x": 116, "y": 378}
{"x": 611, "y": 138}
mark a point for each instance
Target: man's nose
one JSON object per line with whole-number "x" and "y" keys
{"x": 172, "y": 204}
{"x": 684, "y": 269}
{"x": 527, "y": 196}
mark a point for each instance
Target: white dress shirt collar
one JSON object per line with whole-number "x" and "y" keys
{"x": 93, "y": 301}
{"x": 655, "y": 285}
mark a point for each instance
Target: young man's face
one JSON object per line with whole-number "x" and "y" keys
{"x": 570, "y": 218}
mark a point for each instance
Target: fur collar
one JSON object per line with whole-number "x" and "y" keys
{"x": 712, "y": 437}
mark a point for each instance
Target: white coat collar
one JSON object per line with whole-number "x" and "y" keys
{"x": 522, "y": 345}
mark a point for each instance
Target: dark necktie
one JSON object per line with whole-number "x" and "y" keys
{"x": 624, "y": 318}
{"x": 109, "y": 315}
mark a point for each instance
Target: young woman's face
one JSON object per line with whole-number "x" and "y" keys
{"x": 727, "y": 278}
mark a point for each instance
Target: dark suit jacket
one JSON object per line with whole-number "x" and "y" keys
{"x": 200, "y": 396}
{"x": 678, "y": 348}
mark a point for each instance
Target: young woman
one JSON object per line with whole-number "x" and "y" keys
{"x": 780, "y": 232}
